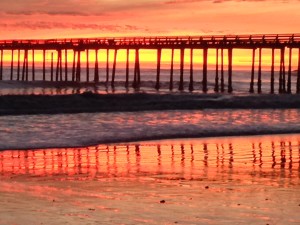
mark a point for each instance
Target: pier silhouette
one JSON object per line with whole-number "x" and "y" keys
{"x": 222, "y": 45}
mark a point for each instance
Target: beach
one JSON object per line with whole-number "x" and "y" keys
{"x": 226, "y": 180}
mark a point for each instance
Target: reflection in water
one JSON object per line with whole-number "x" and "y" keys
{"x": 222, "y": 159}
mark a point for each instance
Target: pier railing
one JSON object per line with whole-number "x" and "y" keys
{"x": 218, "y": 43}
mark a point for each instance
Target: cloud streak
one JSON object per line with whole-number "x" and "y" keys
{"x": 173, "y": 2}
{"x": 74, "y": 7}
{"x": 41, "y": 25}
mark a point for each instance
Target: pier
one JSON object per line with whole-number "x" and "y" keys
{"x": 23, "y": 61}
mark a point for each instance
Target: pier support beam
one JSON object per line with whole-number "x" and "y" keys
{"x": 282, "y": 72}
{"x": 157, "y": 85}
{"x": 66, "y": 65}
{"x": 44, "y": 64}
{"x": 1, "y": 64}
{"x": 107, "y": 66}
{"x": 204, "y": 80}
{"x": 87, "y": 66}
{"x": 59, "y": 66}
{"x": 252, "y": 72}
{"x": 272, "y": 71}
{"x": 114, "y": 68}
{"x": 19, "y": 64}
{"x": 25, "y": 66}
{"x": 216, "y": 89}
{"x": 298, "y": 73}
{"x": 222, "y": 71}
{"x": 230, "y": 89}
{"x": 137, "y": 72}
{"x": 33, "y": 66}
{"x": 259, "y": 70}
{"x": 127, "y": 68}
{"x": 12, "y": 65}
{"x": 73, "y": 66}
{"x": 51, "y": 66}
{"x": 96, "y": 73}
{"x": 289, "y": 82}
{"x": 191, "y": 85}
{"x": 172, "y": 71}
{"x": 78, "y": 67}
{"x": 181, "y": 69}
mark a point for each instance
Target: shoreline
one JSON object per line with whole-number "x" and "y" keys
{"x": 154, "y": 139}
{"x": 91, "y": 103}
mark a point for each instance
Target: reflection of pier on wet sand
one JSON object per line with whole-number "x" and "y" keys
{"x": 188, "y": 159}
{"x": 222, "y": 46}
{"x": 238, "y": 180}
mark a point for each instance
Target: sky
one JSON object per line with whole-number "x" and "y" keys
{"x": 30, "y": 19}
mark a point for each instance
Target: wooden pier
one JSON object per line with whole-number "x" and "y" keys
{"x": 222, "y": 45}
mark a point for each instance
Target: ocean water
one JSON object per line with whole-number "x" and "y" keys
{"x": 102, "y": 168}
{"x": 87, "y": 129}
{"x": 42, "y": 131}
{"x": 240, "y": 80}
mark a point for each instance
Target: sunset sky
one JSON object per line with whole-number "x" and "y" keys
{"x": 95, "y": 18}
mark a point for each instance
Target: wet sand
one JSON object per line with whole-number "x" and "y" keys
{"x": 236, "y": 180}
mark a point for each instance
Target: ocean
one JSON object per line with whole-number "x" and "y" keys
{"x": 200, "y": 166}
{"x": 36, "y": 131}
{"x": 241, "y": 82}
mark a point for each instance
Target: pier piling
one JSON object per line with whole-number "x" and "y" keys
{"x": 191, "y": 85}
{"x": 204, "y": 80}
{"x": 12, "y": 65}
{"x": 114, "y": 68}
{"x": 137, "y": 75}
{"x": 73, "y": 66}
{"x": 157, "y": 85}
{"x": 282, "y": 72}
{"x": 33, "y": 66}
{"x": 272, "y": 71}
{"x": 222, "y": 71}
{"x": 87, "y": 66}
{"x": 259, "y": 71}
{"x": 44, "y": 64}
{"x": 58, "y": 67}
{"x": 127, "y": 68}
{"x": 252, "y": 72}
{"x": 298, "y": 73}
{"x": 289, "y": 81}
{"x": 181, "y": 69}
{"x": 51, "y": 66}
{"x": 1, "y": 64}
{"x": 25, "y": 66}
{"x": 230, "y": 89}
{"x": 172, "y": 70}
{"x": 96, "y": 73}
{"x": 216, "y": 89}
{"x": 19, "y": 62}
{"x": 66, "y": 65}
{"x": 78, "y": 67}
{"x": 107, "y": 66}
